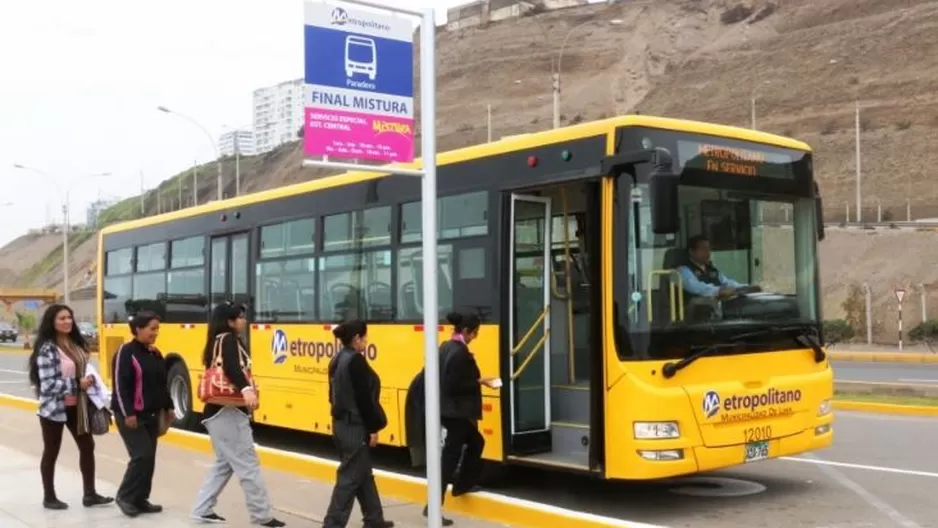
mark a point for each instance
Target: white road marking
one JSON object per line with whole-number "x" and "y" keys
{"x": 8, "y": 371}
{"x": 918, "y": 380}
{"x": 870, "y": 499}
{"x": 897, "y": 471}
{"x": 12, "y": 381}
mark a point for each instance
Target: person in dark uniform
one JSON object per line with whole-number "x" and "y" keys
{"x": 357, "y": 416}
{"x": 701, "y": 278}
{"x": 461, "y": 408}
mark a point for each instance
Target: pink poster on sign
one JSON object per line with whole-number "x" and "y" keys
{"x": 353, "y": 135}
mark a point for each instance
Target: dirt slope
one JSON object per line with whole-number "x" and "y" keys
{"x": 805, "y": 61}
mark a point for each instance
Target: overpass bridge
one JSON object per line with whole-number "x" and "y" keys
{"x": 11, "y": 296}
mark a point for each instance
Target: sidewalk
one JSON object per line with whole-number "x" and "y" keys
{"x": 179, "y": 474}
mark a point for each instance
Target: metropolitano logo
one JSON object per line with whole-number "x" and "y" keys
{"x": 711, "y": 404}
{"x": 278, "y": 346}
{"x": 341, "y": 17}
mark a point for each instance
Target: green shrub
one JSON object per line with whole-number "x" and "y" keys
{"x": 925, "y": 331}
{"x": 838, "y": 331}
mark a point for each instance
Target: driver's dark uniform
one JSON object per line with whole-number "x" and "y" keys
{"x": 703, "y": 282}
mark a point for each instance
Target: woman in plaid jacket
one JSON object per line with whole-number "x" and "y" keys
{"x": 57, "y": 372}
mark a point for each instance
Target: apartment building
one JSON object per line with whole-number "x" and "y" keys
{"x": 241, "y": 141}
{"x": 278, "y": 114}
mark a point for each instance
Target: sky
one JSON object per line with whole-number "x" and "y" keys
{"x": 82, "y": 81}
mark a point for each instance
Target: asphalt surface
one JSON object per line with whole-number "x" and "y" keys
{"x": 917, "y": 373}
{"x": 880, "y": 472}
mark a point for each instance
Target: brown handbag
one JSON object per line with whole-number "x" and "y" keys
{"x": 214, "y": 385}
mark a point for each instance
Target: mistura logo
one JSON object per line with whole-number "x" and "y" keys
{"x": 341, "y": 17}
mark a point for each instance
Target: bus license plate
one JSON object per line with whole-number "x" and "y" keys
{"x": 757, "y": 451}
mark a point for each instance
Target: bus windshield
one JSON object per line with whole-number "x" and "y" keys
{"x": 743, "y": 260}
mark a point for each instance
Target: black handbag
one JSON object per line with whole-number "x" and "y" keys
{"x": 100, "y": 421}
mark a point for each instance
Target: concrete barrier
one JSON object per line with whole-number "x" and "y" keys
{"x": 918, "y": 390}
{"x": 883, "y": 357}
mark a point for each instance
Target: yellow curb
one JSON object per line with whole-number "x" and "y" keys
{"x": 883, "y": 357}
{"x": 886, "y": 408}
{"x": 491, "y": 507}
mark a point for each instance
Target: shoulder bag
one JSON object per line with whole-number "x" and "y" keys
{"x": 214, "y": 385}
{"x": 99, "y": 420}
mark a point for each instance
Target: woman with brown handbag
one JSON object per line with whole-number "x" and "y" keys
{"x": 230, "y": 397}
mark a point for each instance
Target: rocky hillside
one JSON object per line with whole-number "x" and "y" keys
{"x": 805, "y": 63}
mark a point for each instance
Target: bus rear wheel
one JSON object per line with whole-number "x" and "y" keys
{"x": 180, "y": 390}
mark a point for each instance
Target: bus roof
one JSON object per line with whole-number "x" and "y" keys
{"x": 504, "y": 145}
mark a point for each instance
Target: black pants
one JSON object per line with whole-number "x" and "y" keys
{"x": 141, "y": 447}
{"x": 354, "y": 479}
{"x": 52, "y": 444}
{"x": 459, "y": 433}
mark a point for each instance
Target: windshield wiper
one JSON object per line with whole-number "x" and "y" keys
{"x": 807, "y": 337}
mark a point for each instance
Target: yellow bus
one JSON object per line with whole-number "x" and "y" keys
{"x": 567, "y": 243}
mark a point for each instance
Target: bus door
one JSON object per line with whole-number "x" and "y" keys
{"x": 230, "y": 265}
{"x": 529, "y": 324}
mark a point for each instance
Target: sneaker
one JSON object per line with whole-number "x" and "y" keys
{"x": 54, "y": 504}
{"x": 209, "y": 518}
{"x": 90, "y": 501}
{"x": 444, "y": 521}
{"x": 274, "y": 523}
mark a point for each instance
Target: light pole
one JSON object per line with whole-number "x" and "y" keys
{"x": 555, "y": 65}
{"x": 236, "y": 143}
{"x": 65, "y": 218}
{"x": 210, "y": 140}
{"x": 857, "y": 126}
{"x": 752, "y": 104}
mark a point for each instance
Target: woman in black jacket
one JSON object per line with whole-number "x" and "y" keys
{"x": 461, "y": 407}
{"x": 140, "y": 395}
{"x": 357, "y": 416}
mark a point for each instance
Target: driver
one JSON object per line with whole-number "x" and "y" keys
{"x": 701, "y": 278}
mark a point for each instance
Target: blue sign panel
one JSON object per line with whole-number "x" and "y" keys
{"x": 359, "y": 84}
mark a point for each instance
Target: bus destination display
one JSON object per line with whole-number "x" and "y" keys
{"x": 750, "y": 161}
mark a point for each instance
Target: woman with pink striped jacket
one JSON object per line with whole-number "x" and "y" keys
{"x": 141, "y": 403}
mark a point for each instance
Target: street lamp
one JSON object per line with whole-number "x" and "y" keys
{"x": 210, "y": 140}
{"x": 65, "y": 218}
{"x": 236, "y": 142}
{"x": 555, "y": 66}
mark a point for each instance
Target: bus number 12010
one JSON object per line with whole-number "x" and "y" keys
{"x": 755, "y": 434}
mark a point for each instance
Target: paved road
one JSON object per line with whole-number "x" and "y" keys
{"x": 880, "y": 472}
{"x": 924, "y": 373}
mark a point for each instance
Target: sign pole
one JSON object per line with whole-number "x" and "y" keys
{"x": 900, "y": 294}
{"x": 337, "y": 126}
{"x": 431, "y": 315}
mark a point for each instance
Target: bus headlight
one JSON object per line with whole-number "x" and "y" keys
{"x": 825, "y": 408}
{"x": 653, "y": 430}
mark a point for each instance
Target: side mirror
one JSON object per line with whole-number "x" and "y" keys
{"x": 819, "y": 212}
{"x": 663, "y": 186}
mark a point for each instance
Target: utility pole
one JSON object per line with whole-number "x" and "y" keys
{"x": 143, "y": 196}
{"x": 195, "y": 183}
{"x": 65, "y": 229}
{"x": 859, "y": 197}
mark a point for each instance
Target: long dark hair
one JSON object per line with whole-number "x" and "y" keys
{"x": 220, "y": 323}
{"x": 47, "y": 333}
{"x": 463, "y": 322}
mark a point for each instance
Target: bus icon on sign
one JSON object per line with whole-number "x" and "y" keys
{"x": 361, "y": 56}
